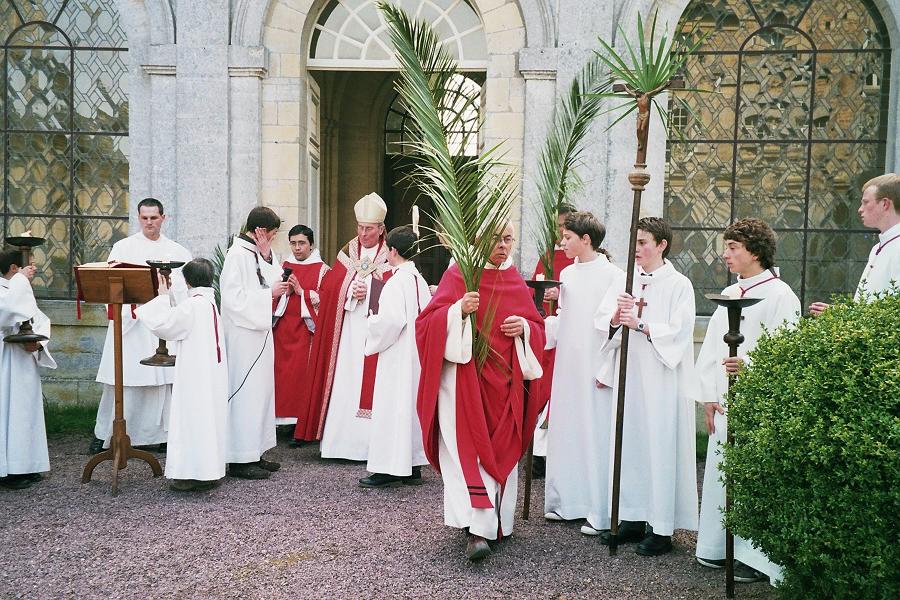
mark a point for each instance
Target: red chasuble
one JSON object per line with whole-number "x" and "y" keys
{"x": 542, "y": 385}
{"x": 332, "y": 296}
{"x": 495, "y": 415}
{"x": 293, "y": 344}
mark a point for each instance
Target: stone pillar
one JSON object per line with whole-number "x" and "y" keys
{"x": 538, "y": 67}
{"x": 160, "y": 69}
{"x": 247, "y": 67}
{"x": 202, "y": 97}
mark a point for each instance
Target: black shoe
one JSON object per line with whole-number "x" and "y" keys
{"x": 477, "y": 548}
{"x": 415, "y": 478}
{"x": 629, "y": 531}
{"x": 33, "y": 477}
{"x": 712, "y": 563}
{"x": 96, "y": 446}
{"x": 268, "y": 465}
{"x": 380, "y": 480}
{"x": 747, "y": 574}
{"x": 654, "y": 545}
{"x": 247, "y": 471}
{"x": 295, "y": 443}
{"x": 15, "y": 482}
{"x": 538, "y": 467}
{"x": 162, "y": 448}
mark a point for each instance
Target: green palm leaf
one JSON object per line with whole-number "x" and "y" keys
{"x": 562, "y": 151}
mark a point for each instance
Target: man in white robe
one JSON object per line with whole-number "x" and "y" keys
{"x": 396, "y": 454}
{"x": 23, "y": 437}
{"x": 750, "y": 254}
{"x": 147, "y": 390}
{"x": 578, "y": 457}
{"x": 879, "y": 208}
{"x": 198, "y": 418}
{"x": 345, "y": 377}
{"x": 659, "y": 480}
{"x": 250, "y": 279}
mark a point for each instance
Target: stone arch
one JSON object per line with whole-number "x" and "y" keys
{"x": 284, "y": 28}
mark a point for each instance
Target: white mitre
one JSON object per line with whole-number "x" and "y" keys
{"x": 370, "y": 209}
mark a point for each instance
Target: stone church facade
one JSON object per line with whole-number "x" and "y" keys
{"x": 215, "y": 106}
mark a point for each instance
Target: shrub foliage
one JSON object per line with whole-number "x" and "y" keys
{"x": 815, "y": 463}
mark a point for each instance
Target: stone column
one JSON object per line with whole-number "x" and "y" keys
{"x": 201, "y": 94}
{"x": 538, "y": 67}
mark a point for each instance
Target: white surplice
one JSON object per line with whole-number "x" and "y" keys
{"x": 659, "y": 476}
{"x": 245, "y": 289}
{"x": 23, "y": 437}
{"x": 578, "y": 445}
{"x": 396, "y": 443}
{"x": 884, "y": 264}
{"x": 346, "y": 435}
{"x": 198, "y": 418}
{"x": 780, "y": 305}
{"x": 147, "y": 390}
{"x": 458, "y": 511}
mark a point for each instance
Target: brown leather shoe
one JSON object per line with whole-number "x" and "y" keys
{"x": 477, "y": 548}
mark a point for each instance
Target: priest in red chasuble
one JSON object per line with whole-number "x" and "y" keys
{"x": 295, "y": 324}
{"x": 344, "y": 380}
{"x": 477, "y": 416}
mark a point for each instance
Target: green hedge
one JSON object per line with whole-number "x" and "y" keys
{"x": 816, "y": 424}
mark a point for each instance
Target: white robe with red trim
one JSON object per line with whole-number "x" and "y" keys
{"x": 198, "y": 421}
{"x": 396, "y": 443}
{"x": 780, "y": 305}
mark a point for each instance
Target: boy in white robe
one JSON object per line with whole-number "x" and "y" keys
{"x": 198, "y": 418}
{"x": 396, "y": 453}
{"x": 250, "y": 279}
{"x": 659, "y": 479}
{"x": 23, "y": 437}
{"x": 578, "y": 443}
{"x": 750, "y": 254}
{"x": 879, "y": 208}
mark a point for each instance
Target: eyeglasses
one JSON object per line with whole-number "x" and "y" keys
{"x": 506, "y": 239}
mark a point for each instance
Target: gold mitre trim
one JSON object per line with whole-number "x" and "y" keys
{"x": 370, "y": 209}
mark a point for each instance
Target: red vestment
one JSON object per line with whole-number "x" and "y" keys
{"x": 332, "y": 297}
{"x": 542, "y": 386}
{"x": 293, "y": 345}
{"x": 495, "y": 416}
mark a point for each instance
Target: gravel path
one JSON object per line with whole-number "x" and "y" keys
{"x": 308, "y": 532}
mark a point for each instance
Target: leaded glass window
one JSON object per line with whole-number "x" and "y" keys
{"x": 460, "y": 114}
{"x": 796, "y": 125}
{"x": 64, "y": 132}
{"x": 354, "y": 32}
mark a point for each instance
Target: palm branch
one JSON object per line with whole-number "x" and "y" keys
{"x": 472, "y": 196}
{"x": 218, "y": 261}
{"x": 561, "y": 154}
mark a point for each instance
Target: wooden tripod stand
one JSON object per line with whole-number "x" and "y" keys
{"x": 117, "y": 286}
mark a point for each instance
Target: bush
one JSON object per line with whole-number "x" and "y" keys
{"x": 815, "y": 463}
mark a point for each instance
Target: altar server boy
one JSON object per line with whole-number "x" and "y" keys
{"x": 23, "y": 437}
{"x": 198, "y": 419}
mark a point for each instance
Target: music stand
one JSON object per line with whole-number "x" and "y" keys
{"x": 116, "y": 286}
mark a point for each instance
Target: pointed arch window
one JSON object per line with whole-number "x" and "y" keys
{"x": 798, "y": 124}
{"x": 63, "y": 132}
{"x": 353, "y": 34}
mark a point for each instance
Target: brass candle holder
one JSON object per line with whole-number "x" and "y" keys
{"x": 25, "y": 244}
{"x": 162, "y": 358}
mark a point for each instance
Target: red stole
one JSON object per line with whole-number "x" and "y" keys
{"x": 332, "y": 296}
{"x": 495, "y": 415}
{"x": 293, "y": 345}
{"x": 542, "y": 386}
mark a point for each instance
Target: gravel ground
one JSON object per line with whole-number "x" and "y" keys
{"x": 308, "y": 532}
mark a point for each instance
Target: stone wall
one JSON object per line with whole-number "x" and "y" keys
{"x": 76, "y": 345}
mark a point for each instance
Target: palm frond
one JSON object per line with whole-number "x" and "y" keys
{"x": 562, "y": 152}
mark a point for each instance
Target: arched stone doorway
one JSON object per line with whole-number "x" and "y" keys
{"x": 329, "y": 87}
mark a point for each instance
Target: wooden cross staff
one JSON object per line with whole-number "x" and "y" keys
{"x": 639, "y": 178}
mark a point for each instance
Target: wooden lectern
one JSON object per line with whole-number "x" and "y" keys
{"x": 117, "y": 284}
